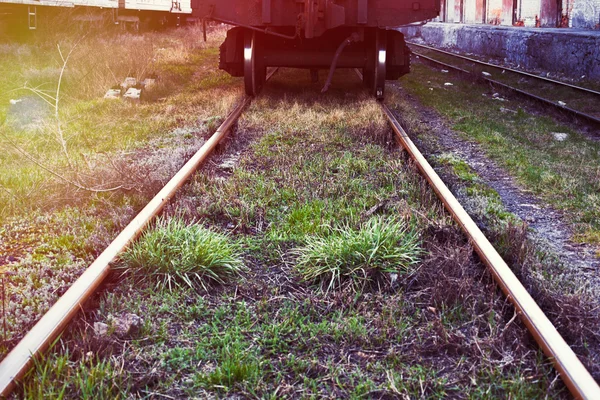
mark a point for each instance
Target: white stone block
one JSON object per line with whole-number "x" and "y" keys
{"x": 148, "y": 83}
{"x": 129, "y": 82}
{"x": 133, "y": 94}
{"x": 113, "y": 94}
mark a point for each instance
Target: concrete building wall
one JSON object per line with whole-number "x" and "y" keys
{"x": 470, "y": 12}
{"x": 527, "y": 10}
{"x": 494, "y": 12}
{"x": 585, "y": 14}
{"x": 558, "y": 51}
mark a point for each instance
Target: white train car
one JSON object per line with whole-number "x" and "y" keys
{"x": 63, "y": 3}
{"x": 170, "y": 6}
{"x": 134, "y": 14}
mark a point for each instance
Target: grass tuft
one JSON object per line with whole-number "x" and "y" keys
{"x": 380, "y": 246}
{"x": 176, "y": 253}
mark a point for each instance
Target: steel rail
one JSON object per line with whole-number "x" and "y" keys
{"x": 588, "y": 117}
{"x": 16, "y": 364}
{"x": 584, "y": 89}
{"x": 579, "y": 381}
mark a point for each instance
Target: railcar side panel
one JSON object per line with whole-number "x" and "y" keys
{"x": 323, "y": 14}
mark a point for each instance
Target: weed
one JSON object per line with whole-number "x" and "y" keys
{"x": 236, "y": 363}
{"x": 59, "y": 374}
{"x": 174, "y": 253}
{"x": 380, "y": 246}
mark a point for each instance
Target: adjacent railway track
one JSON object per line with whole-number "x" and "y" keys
{"x": 580, "y": 102}
{"x": 576, "y": 377}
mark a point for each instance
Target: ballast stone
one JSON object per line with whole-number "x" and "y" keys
{"x": 100, "y": 329}
{"x": 559, "y": 136}
{"x": 127, "y": 324}
{"x": 149, "y": 83}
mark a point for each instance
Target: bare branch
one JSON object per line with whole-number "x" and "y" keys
{"x": 40, "y": 94}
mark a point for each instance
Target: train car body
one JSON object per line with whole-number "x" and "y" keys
{"x": 170, "y": 6}
{"x": 29, "y": 14}
{"x": 316, "y": 34}
{"x": 64, "y": 3}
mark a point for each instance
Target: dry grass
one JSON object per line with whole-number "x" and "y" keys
{"x": 51, "y": 229}
{"x": 72, "y": 148}
{"x": 442, "y": 330}
{"x": 565, "y": 294}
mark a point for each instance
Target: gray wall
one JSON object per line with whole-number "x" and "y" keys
{"x": 566, "y": 52}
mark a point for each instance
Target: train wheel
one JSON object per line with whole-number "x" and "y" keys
{"x": 378, "y": 87}
{"x": 374, "y": 71}
{"x": 255, "y": 73}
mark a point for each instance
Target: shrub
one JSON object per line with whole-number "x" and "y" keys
{"x": 174, "y": 253}
{"x": 380, "y": 246}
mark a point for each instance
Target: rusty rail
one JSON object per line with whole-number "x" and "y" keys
{"x": 543, "y": 78}
{"x": 579, "y": 381}
{"x": 14, "y": 366}
{"x": 561, "y": 108}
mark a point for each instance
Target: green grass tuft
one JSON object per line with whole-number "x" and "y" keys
{"x": 176, "y": 253}
{"x": 379, "y": 246}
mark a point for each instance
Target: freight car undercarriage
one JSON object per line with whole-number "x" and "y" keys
{"x": 380, "y": 54}
{"x": 316, "y": 35}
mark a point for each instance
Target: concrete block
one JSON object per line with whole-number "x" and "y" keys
{"x": 149, "y": 83}
{"x": 129, "y": 82}
{"x": 113, "y": 94}
{"x": 133, "y": 94}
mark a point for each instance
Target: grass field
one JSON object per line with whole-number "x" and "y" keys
{"x": 72, "y": 176}
{"x": 565, "y": 174}
{"x": 63, "y": 143}
{"x": 306, "y": 259}
{"x": 315, "y": 182}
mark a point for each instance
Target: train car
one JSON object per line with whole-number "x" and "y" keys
{"x": 29, "y": 14}
{"x": 316, "y": 34}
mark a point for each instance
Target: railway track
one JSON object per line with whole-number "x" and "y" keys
{"x": 577, "y": 101}
{"x": 15, "y": 365}
{"x": 576, "y": 377}
{"x": 49, "y": 327}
